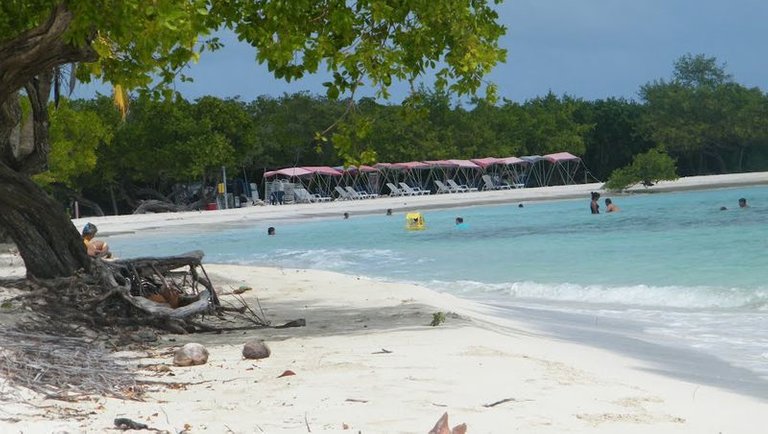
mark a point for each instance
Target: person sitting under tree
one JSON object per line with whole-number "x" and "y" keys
{"x": 95, "y": 248}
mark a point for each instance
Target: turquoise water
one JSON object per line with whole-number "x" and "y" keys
{"x": 673, "y": 260}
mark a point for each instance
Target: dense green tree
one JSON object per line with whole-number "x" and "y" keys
{"x": 703, "y": 118}
{"x": 550, "y": 125}
{"x": 647, "y": 168}
{"x": 75, "y": 138}
{"x": 614, "y": 137}
{"x": 138, "y": 44}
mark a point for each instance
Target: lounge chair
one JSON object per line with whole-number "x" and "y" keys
{"x": 442, "y": 188}
{"x": 413, "y": 191}
{"x": 489, "y": 185}
{"x": 301, "y": 196}
{"x": 394, "y": 190}
{"x": 520, "y": 181}
{"x": 343, "y": 195}
{"x": 314, "y": 197}
{"x": 370, "y": 195}
{"x": 357, "y": 194}
{"x": 459, "y": 188}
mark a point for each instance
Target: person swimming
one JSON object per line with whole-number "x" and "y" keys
{"x": 743, "y": 203}
{"x": 609, "y": 206}
{"x": 346, "y": 215}
{"x": 270, "y": 230}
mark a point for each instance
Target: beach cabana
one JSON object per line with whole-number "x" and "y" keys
{"x": 563, "y": 168}
{"x": 279, "y": 184}
{"x": 509, "y": 170}
{"x": 414, "y": 173}
{"x": 538, "y": 169}
{"x": 316, "y": 179}
{"x": 387, "y": 174}
{"x": 321, "y": 180}
{"x": 467, "y": 172}
{"x": 361, "y": 178}
{"x": 439, "y": 170}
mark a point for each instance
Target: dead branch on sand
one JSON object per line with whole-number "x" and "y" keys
{"x": 62, "y": 368}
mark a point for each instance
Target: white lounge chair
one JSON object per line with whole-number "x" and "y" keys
{"x": 343, "y": 195}
{"x": 301, "y": 196}
{"x": 489, "y": 185}
{"x": 358, "y": 194}
{"x": 371, "y": 195}
{"x": 394, "y": 190}
{"x": 459, "y": 188}
{"x": 442, "y": 188}
{"x": 413, "y": 191}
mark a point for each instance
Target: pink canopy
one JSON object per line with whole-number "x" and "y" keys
{"x": 322, "y": 170}
{"x": 296, "y": 172}
{"x": 410, "y": 165}
{"x": 363, "y": 168}
{"x": 489, "y": 161}
{"x": 561, "y": 156}
{"x": 511, "y": 160}
{"x": 440, "y": 163}
{"x": 291, "y": 172}
{"x": 464, "y": 164}
{"x": 485, "y": 162}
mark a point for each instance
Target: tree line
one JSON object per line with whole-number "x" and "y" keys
{"x": 700, "y": 119}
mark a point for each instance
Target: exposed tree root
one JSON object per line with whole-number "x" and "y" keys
{"x": 61, "y": 350}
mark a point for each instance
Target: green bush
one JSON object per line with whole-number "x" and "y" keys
{"x": 647, "y": 168}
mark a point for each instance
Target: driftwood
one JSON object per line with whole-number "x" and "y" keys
{"x": 148, "y": 276}
{"x": 165, "y": 293}
{"x": 59, "y": 345}
{"x": 158, "y": 206}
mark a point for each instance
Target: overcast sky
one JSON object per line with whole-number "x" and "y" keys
{"x": 585, "y": 48}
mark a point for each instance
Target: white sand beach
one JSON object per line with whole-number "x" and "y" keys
{"x": 369, "y": 362}
{"x": 128, "y": 223}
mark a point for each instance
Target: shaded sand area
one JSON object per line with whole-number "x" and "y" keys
{"x": 368, "y": 361}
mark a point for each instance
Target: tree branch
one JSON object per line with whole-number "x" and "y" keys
{"x": 39, "y": 50}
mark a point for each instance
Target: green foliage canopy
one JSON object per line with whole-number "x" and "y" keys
{"x": 703, "y": 117}
{"x": 647, "y": 168}
{"x": 76, "y": 136}
{"x": 139, "y": 43}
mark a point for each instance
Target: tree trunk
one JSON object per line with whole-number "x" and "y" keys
{"x": 47, "y": 241}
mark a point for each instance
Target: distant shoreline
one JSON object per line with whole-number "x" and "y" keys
{"x": 112, "y": 225}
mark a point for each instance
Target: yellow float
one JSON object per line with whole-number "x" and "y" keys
{"x": 414, "y": 221}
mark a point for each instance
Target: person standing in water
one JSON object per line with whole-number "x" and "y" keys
{"x": 594, "y": 205}
{"x": 743, "y": 203}
{"x": 609, "y": 206}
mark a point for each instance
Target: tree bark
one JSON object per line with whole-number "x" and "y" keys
{"x": 47, "y": 241}
{"x": 38, "y": 50}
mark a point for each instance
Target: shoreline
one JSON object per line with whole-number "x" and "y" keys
{"x": 368, "y": 361}
{"x": 113, "y": 225}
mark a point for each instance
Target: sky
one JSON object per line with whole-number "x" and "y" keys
{"x": 589, "y": 49}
